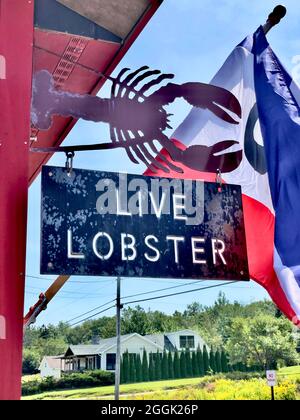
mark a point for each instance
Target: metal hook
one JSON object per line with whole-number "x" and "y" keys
{"x": 69, "y": 162}
{"x": 219, "y": 180}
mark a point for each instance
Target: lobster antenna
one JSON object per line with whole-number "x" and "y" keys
{"x": 274, "y": 18}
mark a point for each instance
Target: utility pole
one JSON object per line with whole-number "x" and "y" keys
{"x": 118, "y": 330}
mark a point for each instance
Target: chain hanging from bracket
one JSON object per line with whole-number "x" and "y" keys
{"x": 69, "y": 162}
{"x": 219, "y": 180}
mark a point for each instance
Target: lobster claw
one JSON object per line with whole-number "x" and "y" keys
{"x": 204, "y": 159}
{"x": 214, "y": 98}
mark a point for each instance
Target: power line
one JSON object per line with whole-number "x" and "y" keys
{"x": 138, "y": 294}
{"x": 179, "y": 293}
{"x": 69, "y": 293}
{"x": 89, "y": 317}
{"x": 86, "y": 313}
{"x": 145, "y": 300}
{"x": 71, "y": 281}
{"x": 161, "y": 290}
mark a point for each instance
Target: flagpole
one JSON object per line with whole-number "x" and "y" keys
{"x": 274, "y": 18}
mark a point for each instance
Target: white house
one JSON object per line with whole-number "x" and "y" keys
{"x": 103, "y": 355}
{"x": 50, "y": 366}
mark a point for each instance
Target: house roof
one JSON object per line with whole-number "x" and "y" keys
{"x": 104, "y": 345}
{"x": 156, "y": 338}
{"x": 160, "y": 337}
{"x": 161, "y": 341}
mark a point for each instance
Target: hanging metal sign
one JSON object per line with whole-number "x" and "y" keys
{"x": 107, "y": 224}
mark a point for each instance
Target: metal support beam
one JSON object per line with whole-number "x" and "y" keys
{"x": 16, "y": 41}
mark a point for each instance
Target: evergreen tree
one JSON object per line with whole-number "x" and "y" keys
{"x": 151, "y": 367}
{"x": 224, "y": 362}
{"x": 218, "y": 362}
{"x": 145, "y": 367}
{"x": 157, "y": 366}
{"x": 165, "y": 366}
{"x": 138, "y": 367}
{"x": 171, "y": 365}
{"x": 242, "y": 367}
{"x": 200, "y": 361}
{"x": 205, "y": 361}
{"x": 126, "y": 373}
{"x": 183, "y": 372}
{"x": 195, "y": 366}
{"x": 176, "y": 362}
{"x": 212, "y": 361}
{"x": 121, "y": 371}
{"x": 188, "y": 361}
{"x": 132, "y": 369}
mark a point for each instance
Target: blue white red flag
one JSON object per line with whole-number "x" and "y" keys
{"x": 279, "y": 115}
{"x": 269, "y": 172}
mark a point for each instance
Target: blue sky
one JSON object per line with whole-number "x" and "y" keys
{"x": 190, "y": 38}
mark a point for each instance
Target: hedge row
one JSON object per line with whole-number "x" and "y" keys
{"x": 167, "y": 365}
{"x": 69, "y": 381}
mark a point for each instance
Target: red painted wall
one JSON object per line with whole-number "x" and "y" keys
{"x": 16, "y": 37}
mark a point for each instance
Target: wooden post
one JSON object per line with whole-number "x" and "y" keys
{"x": 118, "y": 331}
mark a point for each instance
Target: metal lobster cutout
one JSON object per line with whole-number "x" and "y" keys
{"x": 138, "y": 120}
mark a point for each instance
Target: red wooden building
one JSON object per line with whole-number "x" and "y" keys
{"x": 75, "y": 41}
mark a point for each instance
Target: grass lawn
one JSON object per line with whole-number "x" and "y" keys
{"x": 198, "y": 388}
{"x": 290, "y": 373}
{"x": 100, "y": 392}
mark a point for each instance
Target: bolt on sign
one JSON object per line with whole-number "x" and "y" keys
{"x": 108, "y": 224}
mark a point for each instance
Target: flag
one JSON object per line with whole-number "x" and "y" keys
{"x": 279, "y": 115}
{"x": 202, "y": 127}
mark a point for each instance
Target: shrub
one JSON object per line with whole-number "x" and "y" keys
{"x": 224, "y": 389}
{"x": 69, "y": 381}
{"x": 31, "y": 361}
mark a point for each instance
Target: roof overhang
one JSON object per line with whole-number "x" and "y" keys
{"x": 74, "y": 40}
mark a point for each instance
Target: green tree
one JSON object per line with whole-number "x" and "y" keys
{"x": 176, "y": 362}
{"x": 31, "y": 362}
{"x": 218, "y": 361}
{"x": 205, "y": 360}
{"x": 132, "y": 368}
{"x": 157, "y": 362}
{"x": 183, "y": 370}
{"x": 171, "y": 365}
{"x": 145, "y": 367}
{"x": 199, "y": 355}
{"x": 135, "y": 320}
{"x": 125, "y": 368}
{"x": 138, "y": 368}
{"x": 165, "y": 366}
{"x": 122, "y": 370}
{"x": 263, "y": 341}
{"x": 195, "y": 366}
{"x": 224, "y": 362}
{"x": 151, "y": 367}
{"x": 188, "y": 361}
{"x": 212, "y": 361}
